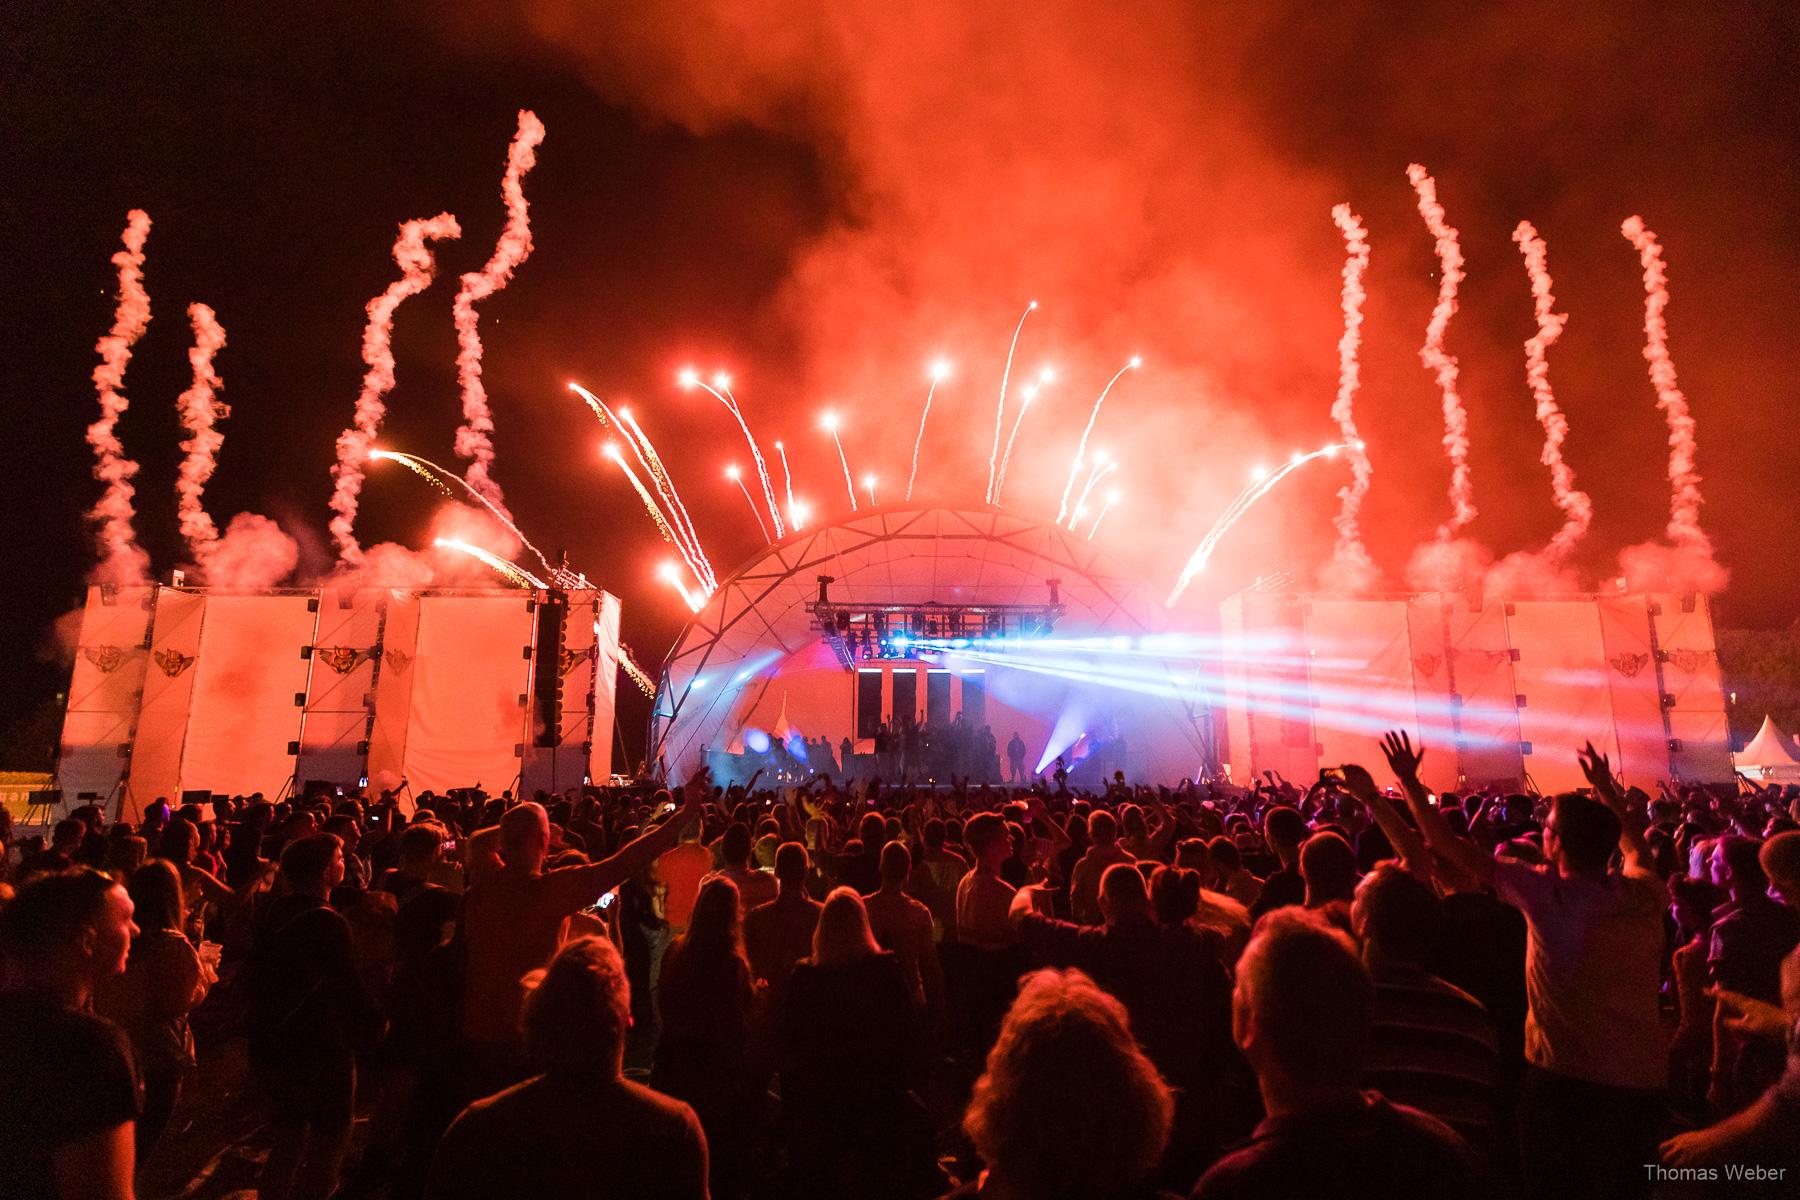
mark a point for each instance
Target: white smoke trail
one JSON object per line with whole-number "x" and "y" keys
{"x": 1000, "y": 408}
{"x": 1577, "y": 508}
{"x": 200, "y": 413}
{"x": 472, "y": 436}
{"x": 1437, "y": 360}
{"x": 122, "y": 560}
{"x": 1350, "y": 560}
{"x": 1684, "y": 480}
{"x": 417, "y": 269}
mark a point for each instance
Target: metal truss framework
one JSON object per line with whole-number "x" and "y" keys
{"x": 891, "y": 555}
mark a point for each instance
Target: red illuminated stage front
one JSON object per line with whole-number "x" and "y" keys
{"x": 190, "y": 689}
{"x": 1503, "y": 692}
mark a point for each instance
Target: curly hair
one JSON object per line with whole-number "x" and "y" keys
{"x": 1068, "y": 1106}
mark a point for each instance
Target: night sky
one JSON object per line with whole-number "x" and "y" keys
{"x": 823, "y": 198}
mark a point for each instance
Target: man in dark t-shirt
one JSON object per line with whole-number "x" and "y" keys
{"x": 580, "y": 1129}
{"x": 1301, "y": 1013}
{"x": 69, "y": 1088}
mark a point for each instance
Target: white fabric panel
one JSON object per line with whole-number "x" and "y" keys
{"x": 168, "y": 685}
{"x": 394, "y": 675}
{"x": 1277, "y": 692}
{"x": 340, "y": 685}
{"x": 472, "y": 669}
{"x": 1482, "y": 678}
{"x": 1690, "y": 674}
{"x": 1642, "y": 735}
{"x": 1561, "y": 672}
{"x": 242, "y": 714}
{"x": 1433, "y": 691}
{"x": 104, "y": 690}
{"x": 1361, "y": 667}
{"x": 606, "y": 685}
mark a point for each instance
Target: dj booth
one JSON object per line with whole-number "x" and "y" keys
{"x": 180, "y": 690}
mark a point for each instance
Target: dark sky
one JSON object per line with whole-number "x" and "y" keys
{"x": 812, "y": 200}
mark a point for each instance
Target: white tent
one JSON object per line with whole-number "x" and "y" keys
{"x": 1769, "y": 755}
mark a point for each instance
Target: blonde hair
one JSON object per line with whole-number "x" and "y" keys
{"x": 842, "y": 934}
{"x": 1069, "y": 1105}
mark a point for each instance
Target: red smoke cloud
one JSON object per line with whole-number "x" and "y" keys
{"x": 1138, "y": 171}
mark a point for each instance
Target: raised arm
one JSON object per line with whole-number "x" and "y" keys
{"x": 641, "y": 851}
{"x": 1402, "y": 837}
{"x": 1632, "y": 846}
{"x": 1439, "y": 837}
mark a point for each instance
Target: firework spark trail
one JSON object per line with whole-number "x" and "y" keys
{"x": 1440, "y": 363}
{"x": 514, "y": 247}
{"x": 1081, "y": 446}
{"x": 1000, "y": 408}
{"x": 736, "y": 476}
{"x": 200, "y": 412}
{"x": 1577, "y": 508}
{"x": 637, "y": 674}
{"x": 787, "y": 482}
{"x": 1350, "y": 548}
{"x": 437, "y": 474}
{"x": 869, "y": 483}
{"x": 1246, "y": 499}
{"x": 831, "y": 426}
{"x": 1101, "y": 471}
{"x": 1684, "y": 479}
{"x": 1030, "y": 394}
{"x": 512, "y": 571}
{"x": 939, "y": 371}
{"x": 1104, "y": 509}
{"x": 418, "y": 267}
{"x": 650, "y": 505}
{"x": 122, "y": 560}
{"x": 665, "y": 487}
{"x": 724, "y": 396}
{"x": 672, "y": 575}
{"x": 416, "y": 465}
{"x": 687, "y": 540}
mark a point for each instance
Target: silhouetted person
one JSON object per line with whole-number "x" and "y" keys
{"x": 68, "y": 1084}
{"x": 1068, "y": 1106}
{"x": 579, "y": 1129}
{"x": 1300, "y": 1013}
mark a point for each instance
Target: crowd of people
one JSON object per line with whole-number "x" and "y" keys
{"x": 835, "y": 989}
